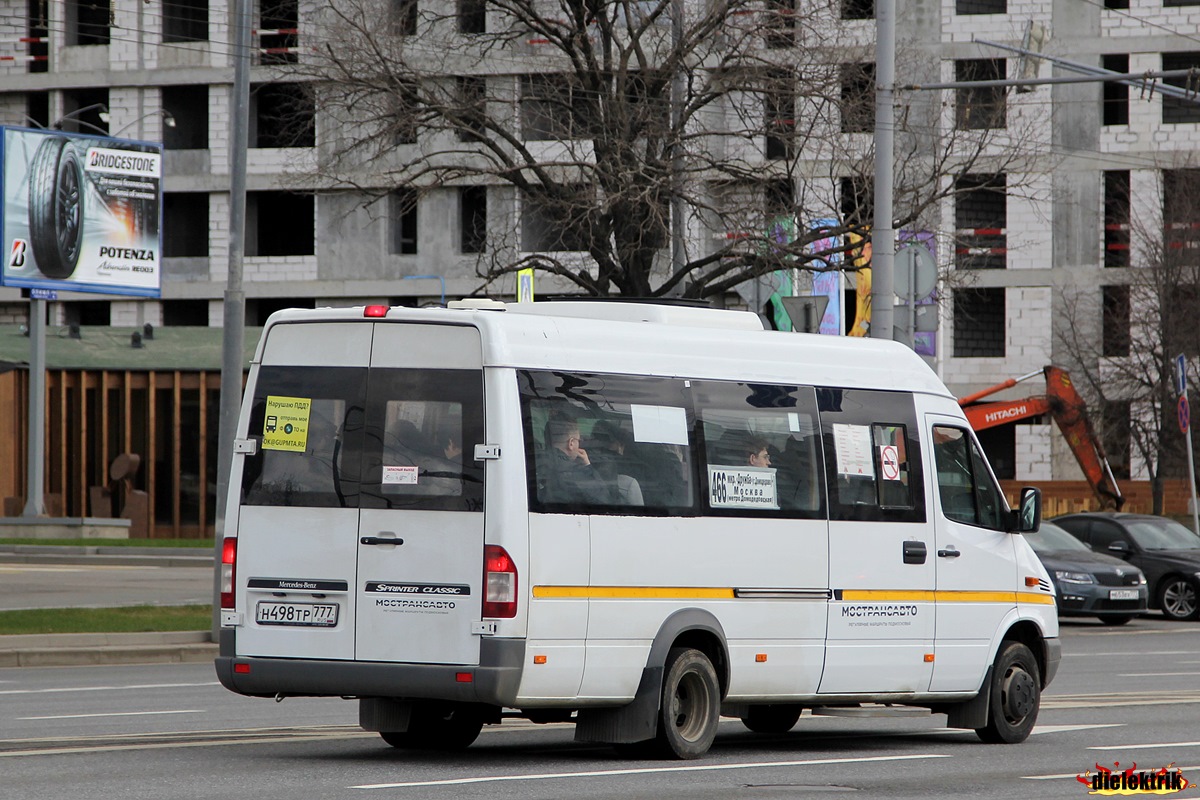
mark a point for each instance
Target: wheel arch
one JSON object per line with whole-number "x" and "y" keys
{"x": 636, "y": 721}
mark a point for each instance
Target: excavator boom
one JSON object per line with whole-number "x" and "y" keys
{"x": 1063, "y": 403}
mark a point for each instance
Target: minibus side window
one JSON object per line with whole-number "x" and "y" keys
{"x": 308, "y": 424}
{"x": 965, "y": 485}
{"x": 607, "y": 444}
{"x": 762, "y": 452}
{"x": 872, "y": 455}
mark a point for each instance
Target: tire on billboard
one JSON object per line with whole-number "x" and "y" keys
{"x": 56, "y": 207}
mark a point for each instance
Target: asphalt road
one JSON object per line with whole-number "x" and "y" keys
{"x": 163, "y": 732}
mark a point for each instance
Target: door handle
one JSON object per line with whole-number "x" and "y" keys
{"x": 914, "y": 552}
{"x": 949, "y": 552}
{"x": 380, "y": 540}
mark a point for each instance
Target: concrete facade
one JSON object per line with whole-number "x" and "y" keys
{"x": 1054, "y": 210}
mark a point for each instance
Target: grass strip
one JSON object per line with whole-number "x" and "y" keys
{"x": 132, "y": 619}
{"x": 197, "y": 543}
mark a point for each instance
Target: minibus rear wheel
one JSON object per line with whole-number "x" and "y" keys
{"x": 437, "y": 726}
{"x": 1016, "y": 696}
{"x": 690, "y": 707}
{"x": 779, "y": 718}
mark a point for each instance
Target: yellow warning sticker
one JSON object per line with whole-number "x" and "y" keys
{"x": 286, "y": 423}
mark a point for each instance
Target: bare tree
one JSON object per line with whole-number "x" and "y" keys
{"x": 606, "y": 119}
{"x": 1147, "y": 316}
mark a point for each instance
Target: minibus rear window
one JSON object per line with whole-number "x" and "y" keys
{"x": 308, "y": 424}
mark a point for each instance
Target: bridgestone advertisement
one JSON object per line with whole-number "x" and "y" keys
{"x": 81, "y": 213}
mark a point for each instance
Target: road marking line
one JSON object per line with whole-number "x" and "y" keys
{"x": 1139, "y": 654}
{"x": 1072, "y": 775}
{"x": 1155, "y": 674}
{"x": 109, "y": 688}
{"x": 117, "y": 714}
{"x": 1144, "y": 746}
{"x": 1070, "y": 728}
{"x": 644, "y": 771}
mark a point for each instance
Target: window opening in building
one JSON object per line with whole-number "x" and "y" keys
{"x": 472, "y": 216}
{"x": 186, "y": 21}
{"x": 553, "y": 110}
{"x": 37, "y": 109}
{"x": 979, "y": 322}
{"x": 472, "y": 99}
{"x": 1117, "y": 436}
{"x": 1175, "y": 109}
{"x": 185, "y": 224}
{"x": 968, "y": 7}
{"x": 558, "y": 223}
{"x": 857, "y": 201}
{"x": 981, "y": 219}
{"x": 999, "y": 443}
{"x": 76, "y": 120}
{"x": 259, "y": 308}
{"x": 1116, "y": 218}
{"x": 858, "y": 98}
{"x": 1181, "y": 218}
{"x": 779, "y": 28}
{"x": 185, "y": 313}
{"x": 779, "y": 112}
{"x": 38, "y": 30}
{"x": 472, "y": 16}
{"x": 88, "y": 312}
{"x": 404, "y": 17}
{"x": 1116, "y": 95}
{"x": 1115, "y": 321}
{"x": 87, "y": 21}
{"x": 279, "y": 223}
{"x": 980, "y": 107}
{"x": 188, "y": 106}
{"x": 858, "y": 9}
{"x": 282, "y": 115}
{"x": 402, "y": 222}
{"x": 278, "y": 38}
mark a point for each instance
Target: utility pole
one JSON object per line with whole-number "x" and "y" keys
{"x": 883, "y": 237}
{"x": 234, "y": 324}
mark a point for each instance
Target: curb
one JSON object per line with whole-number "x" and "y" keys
{"x": 113, "y": 556}
{"x": 97, "y": 649}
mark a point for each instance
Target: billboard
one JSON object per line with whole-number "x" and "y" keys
{"x": 80, "y": 213}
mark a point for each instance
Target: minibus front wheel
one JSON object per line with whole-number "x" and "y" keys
{"x": 1016, "y": 696}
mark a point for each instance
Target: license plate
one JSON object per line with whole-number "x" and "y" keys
{"x": 1122, "y": 594}
{"x": 311, "y": 615}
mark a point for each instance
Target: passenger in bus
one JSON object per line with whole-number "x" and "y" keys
{"x": 757, "y": 453}
{"x": 566, "y": 474}
{"x": 609, "y": 458}
{"x": 797, "y": 475}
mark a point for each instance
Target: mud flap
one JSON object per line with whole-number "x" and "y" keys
{"x": 972, "y": 713}
{"x": 635, "y": 722}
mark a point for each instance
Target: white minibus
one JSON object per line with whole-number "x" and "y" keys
{"x": 635, "y": 517}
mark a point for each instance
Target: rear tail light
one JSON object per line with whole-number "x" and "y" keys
{"x": 228, "y": 566}
{"x": 499, "y": 583}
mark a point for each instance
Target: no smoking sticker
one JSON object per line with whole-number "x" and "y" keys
{"x": 889, "y": 462}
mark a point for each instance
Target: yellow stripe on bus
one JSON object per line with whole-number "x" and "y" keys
{"x": 720, "y": 593}
{"x": 635, "y": 592}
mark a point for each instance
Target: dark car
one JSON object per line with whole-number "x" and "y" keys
{"x": 1089, "y": 584}
{"x": 1166, "y": 551}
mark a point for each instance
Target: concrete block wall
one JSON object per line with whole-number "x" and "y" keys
{"x": 1034, "y": 451}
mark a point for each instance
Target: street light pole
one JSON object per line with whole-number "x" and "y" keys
{"x": 883, "y": 236}
{"x": 234, "y": 323}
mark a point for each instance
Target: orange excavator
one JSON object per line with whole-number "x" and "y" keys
{"x": 1062, "y": 402}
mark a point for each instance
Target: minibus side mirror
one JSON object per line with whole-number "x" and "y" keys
{"x": 1027, "y": 517}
